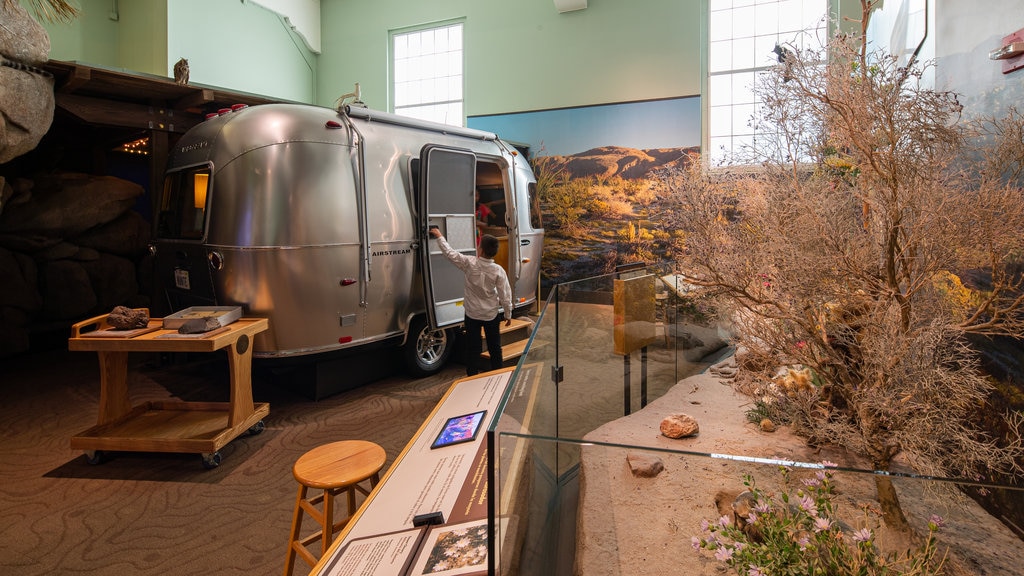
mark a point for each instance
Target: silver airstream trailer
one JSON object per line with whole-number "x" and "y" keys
{"x": 317, "y": 219}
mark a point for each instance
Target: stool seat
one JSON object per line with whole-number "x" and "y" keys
{"x": 339, "y": 464}
{"x": 334, "y": 468}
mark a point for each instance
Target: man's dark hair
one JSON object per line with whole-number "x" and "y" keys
{"x": 488, "y": 246}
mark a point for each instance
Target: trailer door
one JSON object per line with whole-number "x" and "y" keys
{"x": 447, "y": 200}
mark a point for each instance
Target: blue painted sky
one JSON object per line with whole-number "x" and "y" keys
{"x": 671, "y": 123}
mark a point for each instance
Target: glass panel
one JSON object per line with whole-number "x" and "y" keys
{"x": 720, "y": 121}
{"x": 720, "y": 149}
{"x": 743, "y": 53}
{"x": 790, "y": 15}
{"x": 766, "y": 16}
{"x": 720, "y": 56}
{"x": 720, "y": 89}
{"x": 743, "y": 88}
{"x": 666, "y": 506}
{"x": 720, "y": 25}
{"x": 763, "y": 50}
{"x": 743, "y": 22}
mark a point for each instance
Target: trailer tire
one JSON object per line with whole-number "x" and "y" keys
{"x": 426, "y": 351}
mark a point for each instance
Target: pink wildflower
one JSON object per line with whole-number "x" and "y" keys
{"x": 822, "y": 524}
{"x": 807, "y": 505}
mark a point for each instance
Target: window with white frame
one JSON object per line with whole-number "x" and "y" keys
{"x": 742, "y": 35}
{"x": 426, "y": 77}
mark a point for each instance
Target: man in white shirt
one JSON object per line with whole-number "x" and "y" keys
{"x": 487, "y": 292}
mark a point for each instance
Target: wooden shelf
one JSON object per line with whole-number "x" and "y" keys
{"x": 199, "y": 427}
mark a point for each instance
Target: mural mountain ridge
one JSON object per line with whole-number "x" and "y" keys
{"x": 628, "y": 163}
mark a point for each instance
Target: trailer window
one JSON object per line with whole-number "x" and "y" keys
{"x": 535, "y": 221}
{"x": 183, "y": 204}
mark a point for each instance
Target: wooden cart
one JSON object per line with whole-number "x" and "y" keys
{"x": 168, "y": 426}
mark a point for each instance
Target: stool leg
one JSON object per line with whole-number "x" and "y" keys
{"x": 328, "y": 527}
{"x": 289, "y": 562}
{"x": 351, "y": 500}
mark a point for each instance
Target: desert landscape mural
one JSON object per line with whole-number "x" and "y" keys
{"x": 599, "y": 172}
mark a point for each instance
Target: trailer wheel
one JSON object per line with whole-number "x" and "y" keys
{"x": 426, "y": 351}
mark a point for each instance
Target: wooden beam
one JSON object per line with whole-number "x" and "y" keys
{"x": 197, "y": 98}
{"x": 126, "y": 115}
{"x": 78, "y": 77}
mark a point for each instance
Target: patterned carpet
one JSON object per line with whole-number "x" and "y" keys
{"x": 150, "y": 513}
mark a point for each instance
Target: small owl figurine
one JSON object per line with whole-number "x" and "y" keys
{"x": 181, "y": 72}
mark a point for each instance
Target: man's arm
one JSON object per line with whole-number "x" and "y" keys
{"x": 461, "y": 261}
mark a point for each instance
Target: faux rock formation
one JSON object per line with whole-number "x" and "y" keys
{"x": 71, "y": 247}
{"x": 22, "y": 39}
{"x": 26, "y": 109}
{"x": 26, "y": 92}
{"x": 724, "y": 369}
{"x": 644, "y": 465}
{"x": 64, "y": 206}
{"x": 679, "y": 426}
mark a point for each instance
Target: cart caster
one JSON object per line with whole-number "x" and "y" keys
{"x": 211, "y": 460}
{"x": 95, "y": 457}
{"x": 257, "y": 428}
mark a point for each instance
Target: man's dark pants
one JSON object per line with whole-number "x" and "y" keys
{"x": 492, "y": 332}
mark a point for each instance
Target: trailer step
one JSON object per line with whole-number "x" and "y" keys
{"x": 515, "y": 349}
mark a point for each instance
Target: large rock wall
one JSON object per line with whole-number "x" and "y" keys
{"x": 71, "y": 247}
{"x": 26, "y": 92}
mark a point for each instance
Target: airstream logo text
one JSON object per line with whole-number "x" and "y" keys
{"x": 195, "y": 146}
{"x": 392, "y": 252}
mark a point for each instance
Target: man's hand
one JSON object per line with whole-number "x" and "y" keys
{"x": 508, "y": 322}
{"x": 435, "y": 231}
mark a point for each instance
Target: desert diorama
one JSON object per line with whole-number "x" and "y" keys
{"x": 867, "y": 257}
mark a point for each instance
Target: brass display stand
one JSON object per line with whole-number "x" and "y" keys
{"x": 633, "y": 329}
{"x": 168, "y": 426}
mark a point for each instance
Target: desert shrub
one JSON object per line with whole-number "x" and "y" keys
{"x": 800, "y": 534}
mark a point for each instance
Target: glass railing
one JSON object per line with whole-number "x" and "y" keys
{"x": 582, "y": 481}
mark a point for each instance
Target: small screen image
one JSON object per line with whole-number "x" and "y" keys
{"x": 459, "y": 429}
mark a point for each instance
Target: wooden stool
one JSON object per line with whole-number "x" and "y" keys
{"x": 334, "y": 468}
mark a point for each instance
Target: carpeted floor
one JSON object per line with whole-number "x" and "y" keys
{"x": 149, "y": 513}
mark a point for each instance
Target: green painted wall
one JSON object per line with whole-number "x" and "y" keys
{"x": 229, "y": 44}
{"x": 142, "y": 44}
{"x": 524, "y": 55}
{"x": 91, "y": 38}
{"x": 241, "y": 46}
{"x": 134, "y": 37}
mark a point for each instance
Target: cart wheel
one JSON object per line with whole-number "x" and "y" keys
{"x": 94, "y": 457}
{"x": 257, "y": 428}
{"x": 211, "y": 460}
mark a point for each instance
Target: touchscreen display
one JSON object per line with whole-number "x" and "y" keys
{"x": 459, "y": 429}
